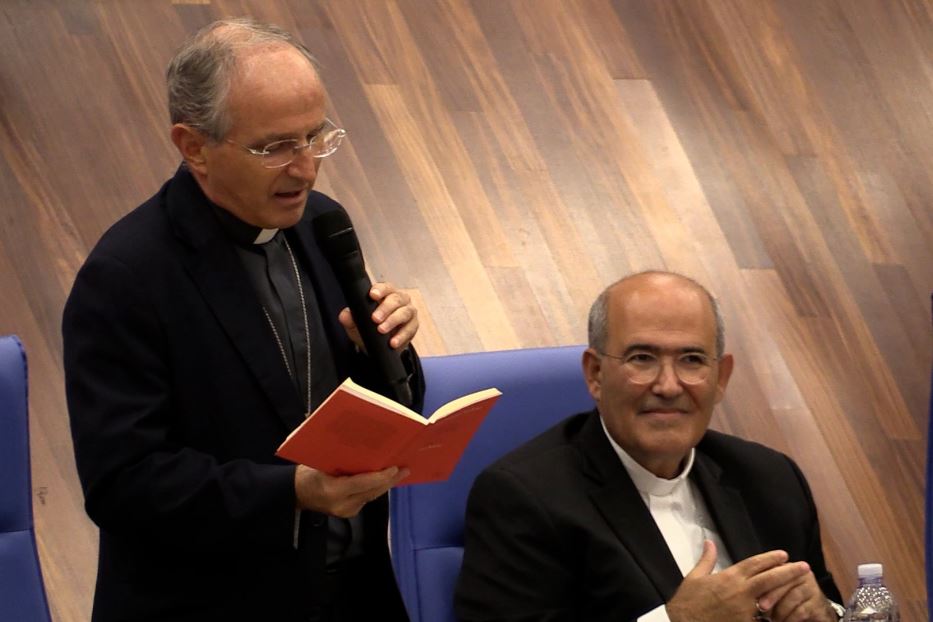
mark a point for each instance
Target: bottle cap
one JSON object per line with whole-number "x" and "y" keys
{"x": 866, "y": 571}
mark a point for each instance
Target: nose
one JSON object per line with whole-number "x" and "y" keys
{"x": 667, "y": 384}
{"x": 304, "y": 166}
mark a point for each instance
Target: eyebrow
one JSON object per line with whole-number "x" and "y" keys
{"x": 647, "y": 347}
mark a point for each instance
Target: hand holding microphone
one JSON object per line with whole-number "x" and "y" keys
{"x": 393, "y": 315}
{"x": 378, "y": 313}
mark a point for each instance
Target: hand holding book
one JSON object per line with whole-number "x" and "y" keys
{"x": 343, "y": 496}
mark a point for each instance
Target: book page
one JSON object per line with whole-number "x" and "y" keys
{"x": 462, "y": 402}
{"x": 380, "y": 400}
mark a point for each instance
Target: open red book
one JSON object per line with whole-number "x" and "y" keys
{"x": 356, "y": 430}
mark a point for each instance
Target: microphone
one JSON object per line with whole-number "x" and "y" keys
{"x": 337, "y": 239}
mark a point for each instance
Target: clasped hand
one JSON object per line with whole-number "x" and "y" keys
{"x": 784, "y": 592}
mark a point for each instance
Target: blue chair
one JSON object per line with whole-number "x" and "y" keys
{"x": 929, "y": 503}
{"x": 22, "y": 592}
{"x": 539, "y": 388}
{"x": 929, "y": 499}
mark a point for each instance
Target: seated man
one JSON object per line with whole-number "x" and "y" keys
{"x": 636, "y": 511}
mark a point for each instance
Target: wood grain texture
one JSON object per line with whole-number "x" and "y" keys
{"x": 506, "y": 160}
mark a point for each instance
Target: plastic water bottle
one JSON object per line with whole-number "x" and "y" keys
{"x": 872, "y": 601}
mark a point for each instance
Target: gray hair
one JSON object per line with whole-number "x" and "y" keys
{"x": 199, "y": 75}
{"x": 598, "y": 321}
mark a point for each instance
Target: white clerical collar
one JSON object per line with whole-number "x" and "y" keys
{"x": 241, "y": 232}
{"x": 265, "y": 235}
{"x": 647, "y": 482}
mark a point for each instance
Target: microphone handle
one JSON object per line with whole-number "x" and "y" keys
{"x": 356, "y": 285}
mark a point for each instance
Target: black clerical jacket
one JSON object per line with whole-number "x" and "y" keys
{"x": 178, "y": 399}
{"x": 557, "y": 530}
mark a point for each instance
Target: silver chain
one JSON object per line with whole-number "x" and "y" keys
{"x": 304, "y": 316}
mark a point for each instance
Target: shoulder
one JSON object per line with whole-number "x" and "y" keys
{"x": 731, "y": 447}
{"x": 138, "y": 234}
{"x": 747, "y": 460}
{"x": 140, "y": 252}
{"x": 557, "y": 437}
{"x": 136, "y": 241}
{"x": 551, "y": 454}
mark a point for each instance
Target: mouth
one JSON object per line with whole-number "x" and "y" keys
{"x": 663, "y": 413}
{"x": 292, "y": 194}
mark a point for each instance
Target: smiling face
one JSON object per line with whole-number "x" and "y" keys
{"x": 657, "y": 423}
{"x": 275, "y": 94}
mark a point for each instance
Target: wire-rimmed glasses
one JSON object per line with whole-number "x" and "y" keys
{"x": 281, "y": 153}
{"x": 641, "y": 367}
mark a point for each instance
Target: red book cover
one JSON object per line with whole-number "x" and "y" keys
{"x": 356, "y": 430}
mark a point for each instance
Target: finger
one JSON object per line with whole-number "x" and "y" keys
{"x": 757, "y": 564}
{"x": 397, "y": 317}
{"x": 792, "y": 608}
{"x": 400, "y": 475}
{"x": 771, "y": 579}
{"x": 390, "y": 305}
{"x": 363, "y": 483}
{"x": 348, "y": 494}
{"x": 787, "y": 610}
{"x": 385, "y": 479}
{"x": 371, "y": 494}
{"x": 389, "y": 299}
{"x": 706, "y": 562}
{"x": 346, "y": 319}
{"x": 349, "y": 326}
{"x": 768, "y": 600}
{"x": 405, "y": 334}
{"x": 380, "y": 290}
{"x": 402, "y": 325}
{"x": 803, "y": 600}
{"x": 342, "y": 495}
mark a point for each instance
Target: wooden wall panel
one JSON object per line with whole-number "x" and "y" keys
{"x": 506, "y": 160}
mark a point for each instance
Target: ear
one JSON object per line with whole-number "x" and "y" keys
{"x": 190, "y": 144}
{"x": 725, "y": 372}
{"x": 592, "y": 367}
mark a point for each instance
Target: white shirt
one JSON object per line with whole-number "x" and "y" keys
{"x": 680, "y": 513}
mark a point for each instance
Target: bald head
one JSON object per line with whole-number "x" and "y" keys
{"x": 200, "y": 76}
{"x": 649, "y": 283}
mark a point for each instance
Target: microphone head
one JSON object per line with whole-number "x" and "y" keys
{"x": 335, "y": 235}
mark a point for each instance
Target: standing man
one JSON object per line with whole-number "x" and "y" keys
{"x": 200, "y": 331}
{"x": 636, "y": 511}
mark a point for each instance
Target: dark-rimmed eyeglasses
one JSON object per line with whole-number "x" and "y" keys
{"x": 321, "y": 144}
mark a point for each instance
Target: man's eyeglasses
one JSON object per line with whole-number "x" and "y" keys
{"x": 642, "y": 367}
{"x": 283, "y": 152}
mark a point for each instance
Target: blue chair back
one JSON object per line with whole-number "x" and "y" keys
{"x": 929, "y": 499}
{"x": 22, "y": 592}
{"x": 539, "y": 388}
